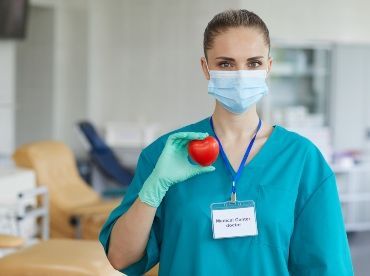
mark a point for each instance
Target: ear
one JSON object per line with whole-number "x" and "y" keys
{"x": 269, "y": 66}
{"x": 203, "y": 64}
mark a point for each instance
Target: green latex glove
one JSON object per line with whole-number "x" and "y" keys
{"x": 172, "y": 167}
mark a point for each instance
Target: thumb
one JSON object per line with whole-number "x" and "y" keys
{"x": 197, "y": 169}
{"x": 201, "y": 169}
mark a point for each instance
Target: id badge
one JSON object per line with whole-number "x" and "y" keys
{"x": 231, "y": 220}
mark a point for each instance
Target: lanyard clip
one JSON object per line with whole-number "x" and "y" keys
{"x": 233, "y": 197}
{"x": 233, "y": 193}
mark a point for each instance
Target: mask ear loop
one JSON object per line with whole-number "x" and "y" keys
{"x": 209, "y": 74}
{"x": 207, "y": 64}
{"x": 267, "y": 70}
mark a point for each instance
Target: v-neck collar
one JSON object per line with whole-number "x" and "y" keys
{"x": 259, "y": 156}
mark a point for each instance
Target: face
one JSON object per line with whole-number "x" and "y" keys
{"x": 239, "y": 48}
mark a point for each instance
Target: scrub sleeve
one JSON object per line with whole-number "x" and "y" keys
{"x": 151, "y": 257}
{"x": 318, "y": 243}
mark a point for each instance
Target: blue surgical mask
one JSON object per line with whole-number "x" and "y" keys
{"x": 238, "y": 90}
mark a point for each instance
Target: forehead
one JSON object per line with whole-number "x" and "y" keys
{"x": 240, "y": 42}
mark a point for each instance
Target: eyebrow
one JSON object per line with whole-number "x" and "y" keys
{"x": 231, "y": 59}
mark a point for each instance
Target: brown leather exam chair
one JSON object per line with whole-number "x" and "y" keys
{"x": 76, "y": 210}
{"x": 55, "y": 257}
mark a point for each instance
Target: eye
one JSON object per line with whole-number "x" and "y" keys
{"x": 224, "y": 64}
{"x": 254, "y": 64}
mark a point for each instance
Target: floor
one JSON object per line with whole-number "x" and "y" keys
{"x": 360, "y": 251}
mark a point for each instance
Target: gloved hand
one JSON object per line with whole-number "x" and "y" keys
{"x": 172, "y": 167}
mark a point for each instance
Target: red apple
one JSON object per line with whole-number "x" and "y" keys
{"x": 204, "y": 152}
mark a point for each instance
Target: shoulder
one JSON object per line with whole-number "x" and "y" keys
{"x": 292, "y": 138}
{"x": 313, "y": 168}
{"x": 293, "y": 141}
{"x": 153, "y": 150}
{"x": 303, "y": 150}
{"x": 306, "y": 162}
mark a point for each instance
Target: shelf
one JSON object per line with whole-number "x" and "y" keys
{"x": 354, "y": 197}
{"x": 293, "y": 73}
{"x": 338, "y": 169}
{"x": 358, "y": 226}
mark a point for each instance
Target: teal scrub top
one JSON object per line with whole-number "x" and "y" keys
{"x": 299, "y": 219}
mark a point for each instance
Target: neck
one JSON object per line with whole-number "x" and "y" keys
{"x": 231, "y": 125}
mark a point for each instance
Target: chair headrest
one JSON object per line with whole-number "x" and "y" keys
{"x": 55, "y": 167}
{"x": 97, "y": 143}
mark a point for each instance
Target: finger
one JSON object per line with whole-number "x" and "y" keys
{"x": 177, "y": 142}
{"x": 201, "y": 169}
{"x": 189, "y": 135}
{"x": 194, "y": 136}
{"x": 183, "y": 143}
{"x": 175, "y": 138}
{"x": 208, "y": 169}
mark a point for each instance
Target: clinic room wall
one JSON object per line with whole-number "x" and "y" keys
{"x": 340, "y": 21}
{"x": 67, "y": 63}
{"x": 71, "y": 66}
{"x": 122, "y": 60}
{"x": 34, "y": 78}
{"x": 144, "y": 56}
{"x": 144, "y": 60}
{"x": 7, "y": 96}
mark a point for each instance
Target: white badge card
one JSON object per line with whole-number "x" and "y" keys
{"x": 231, "y": 220}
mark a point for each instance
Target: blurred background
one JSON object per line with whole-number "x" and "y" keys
{"x": 86, "y": 84}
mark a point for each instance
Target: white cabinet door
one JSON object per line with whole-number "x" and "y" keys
{"x": 349, "y": 100}
{"x": 367, "y": 97}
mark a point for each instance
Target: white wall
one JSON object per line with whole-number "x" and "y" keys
{"x": 52, "y": 72}
{"x": 71, "y": 70}
{"x": 336, "y": 20}
{"x": 144, "y": 60}
{"x": 119, "y": 60}
{"x": 144, "y": 55}
{"x": 7, "y": 91}
{"x": 35, "y": 78}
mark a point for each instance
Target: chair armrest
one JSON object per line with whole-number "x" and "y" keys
{"x": 102, "y": 207}
{"x": 98, "y": 209}
{"x": 9, "y": 241}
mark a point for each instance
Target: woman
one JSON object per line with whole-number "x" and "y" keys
{"x": 272, "y": 209}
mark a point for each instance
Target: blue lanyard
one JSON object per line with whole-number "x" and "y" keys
{"x": 247, "y": 152}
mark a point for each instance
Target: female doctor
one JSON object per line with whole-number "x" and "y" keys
{"x": 268, "y": 205}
